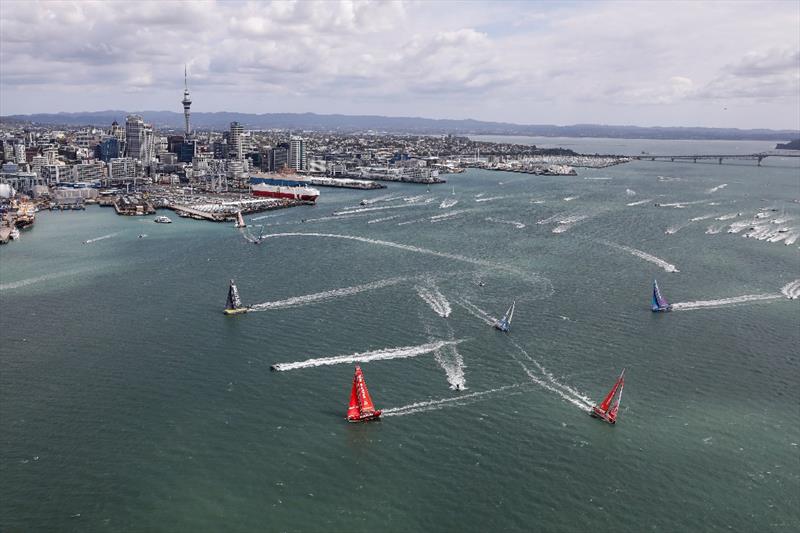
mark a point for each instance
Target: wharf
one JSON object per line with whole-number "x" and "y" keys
{"x": 227, "y": 212}
{"x": 345, "y": 183}
{"x": 5, "y": 234}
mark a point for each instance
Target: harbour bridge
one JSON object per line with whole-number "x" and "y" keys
{"x": 699, "y": 157}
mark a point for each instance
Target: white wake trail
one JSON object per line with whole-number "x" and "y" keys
{"x": 450, "y": 202}
{"x": 515, "y": 223}
{"x": 703, "y": 217}
{"x": 477, "y": 312}
{"x": 639, "y": 202}
{"x": 435, "y": 405}
{"x": 371, "y": 209}
{"x": 450, "y": 360}
{"x": 491, "y": 198}
{"x": 325, "y": 295}
{"x": 398, "y": 246}
{"x": 39, "y": 279}
{"x": 642, "y": 255}
{"x": 567, "y": 392}
{"x": 104, "y": 237}
{"x": 402, "y": 352}
{"x": 791, "y": 290}
{"x": 435, "y": 299}
{"x": 722, "y": 302}
{"x": 727, "y": 217}
{"x": 715, "y": 189}
{"x": 384, "y": 219}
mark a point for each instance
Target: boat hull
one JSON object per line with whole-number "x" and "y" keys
{"x": 239, "y": 311}
{"x": 665, "y": 309}
{"x": 602, "y": 415}
{"x": 366, "y": 418}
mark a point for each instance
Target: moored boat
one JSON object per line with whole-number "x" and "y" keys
{"x": 162, "y": 220}
{"x": 361, "y": 408}
{"x": 607, "y": 411}
{"x": 659, "y": 304}
{"x": 283, "y": 188}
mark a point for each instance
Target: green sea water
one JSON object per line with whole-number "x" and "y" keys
{"x": 129, "y": 402}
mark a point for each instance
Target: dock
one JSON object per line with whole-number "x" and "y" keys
{"x": 345, "y": 183}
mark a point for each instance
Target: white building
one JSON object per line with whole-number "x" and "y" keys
{"x": 297, "y": 153}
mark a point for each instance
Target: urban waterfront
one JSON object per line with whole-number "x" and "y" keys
{"x": 129, "y": 402}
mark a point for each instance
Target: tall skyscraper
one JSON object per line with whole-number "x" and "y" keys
{"x": 187, "y": 102}
{"x": 134, "y": 136}
{"x": 235, "y": 141}
{"x": 297, "y": 153}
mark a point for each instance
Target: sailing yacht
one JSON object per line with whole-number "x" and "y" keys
{"x": 233, "y": 306}
{"x": 606, "y": 411}
{"x": 659, "y": 304}
{"x": 361, "y": 408}
{"x": 504, "y": 324}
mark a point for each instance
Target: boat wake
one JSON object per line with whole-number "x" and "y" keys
{"x": 371, "y": 209}
{"x": 703, "y": 217}
{"x": 104, "y": 237}
{"x": 39, "y": 279}
{"x": 715, "y": 189}
{"x": 449, "y": 358}
{"x": 298, "y": 301}
{"x": 435, "y": 299}
{"x": 723, "y": 302}
{"x": 267, "y": 216}
{"x": 450, "y": 202}
{"x": 384, "y": 219}
{"x": 516, "y": 224}
{"x": 713, "y": 230}
{"x": 435, "y": 405}
{"x": 639, "y": 202}
{"x": 402, "y": 352}
{"x": 477, "y": 312}
{"x": 642, "y": 255}
{"x": 438, "y": 218}
{"x": 676, "y": 228}
{"x": 680, "y": 205}
{"x": 490, "y": 198}
{"x": 385, "y": 198}
{"x": 546, "y": 380}
{"x": 791, "y": 290}
{"x": 630, "y": 192}
{"x": 570, "y": 198}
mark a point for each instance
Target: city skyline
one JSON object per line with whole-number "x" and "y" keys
{"x": 644, "y": 64}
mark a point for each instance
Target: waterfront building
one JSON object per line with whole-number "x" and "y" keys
{"x": 235, "y": 140}
{"x": 277, "y": 158}
{"x": 122, "y": 168}
{"x": 187, "y": 151}
{"x": 134, "y": 136}
{"x": 118, "y": 131}
{"x": 317, "y": 165}
{"x": 89, "y": 171}
{"x": 297, "y": 153}
{"x": 110, "y": 148}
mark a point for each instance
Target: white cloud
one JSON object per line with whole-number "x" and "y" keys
{"x": 539, "y": 62}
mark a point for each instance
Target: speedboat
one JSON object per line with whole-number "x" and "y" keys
{"x": 162, "y": 220}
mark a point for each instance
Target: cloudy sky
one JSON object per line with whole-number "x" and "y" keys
{"x": 727, "y": 64}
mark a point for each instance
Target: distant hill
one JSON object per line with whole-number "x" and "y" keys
{"x": 412, "y": 125}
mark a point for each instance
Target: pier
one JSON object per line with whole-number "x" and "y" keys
{"x": 719, "y": 158}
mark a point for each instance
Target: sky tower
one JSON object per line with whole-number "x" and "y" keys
{"x": 187, "y": 102}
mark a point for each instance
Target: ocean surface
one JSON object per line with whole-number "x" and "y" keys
{"x": 129, "y": 402}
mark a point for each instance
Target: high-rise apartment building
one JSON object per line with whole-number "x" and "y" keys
{"x": 134, "y": 136}
{"x": 235, "y": 141}
{"x": 297, "y": 153}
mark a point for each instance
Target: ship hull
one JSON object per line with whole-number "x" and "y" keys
{"x": 666, "y": 309}
{"x": 597, "y": 413}
{"x": 239, "y": 311}
{"x": 283, "y": 189}
{"x": 286, "y": 195}
{"x": 366, "y": 418}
